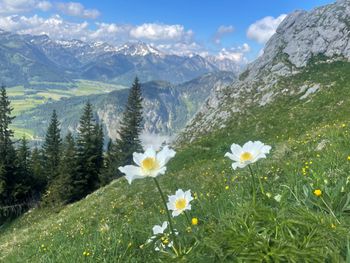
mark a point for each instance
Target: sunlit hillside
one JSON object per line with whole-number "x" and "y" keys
{"x": 310, "y": 151}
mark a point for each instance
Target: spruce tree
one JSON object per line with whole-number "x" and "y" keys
{"x": 130, "y": 126}
{"x": 51, "y": 148}
{"x": 23, "y": 156}
{"x": 110, "y": 168}
{"x": 39, "y": 177}
{"x": 61, "y": 190}
{"x": 23, "y": 185}
{"x": 89, "y": 153}
{"x": 7, "y": 151}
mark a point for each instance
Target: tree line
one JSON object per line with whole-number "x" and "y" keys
{"x": 64, "y": 170}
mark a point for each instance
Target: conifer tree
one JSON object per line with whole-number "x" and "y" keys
{"x": 99, "y": 143}
{"x": 7, "y": 151}
{"x": 51, "y": 148}
{"x": 130, "y": 126}
{"x": 110, "y": 168}
{"x": 23, "y": 184}
{"x": 39, "y": 177}
{"x": 89, "y": 153}
{"x": 61, "y": 190}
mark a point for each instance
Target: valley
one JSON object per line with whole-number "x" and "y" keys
{"x": 26, "y": 99}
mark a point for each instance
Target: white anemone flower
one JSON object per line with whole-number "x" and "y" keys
{"x": 249, "y": 153}
{"x": 179, "y": 202}
{"x": 160, "y": 229}
{"x": 148, "y": 164}
{"x": 164, "y": 242}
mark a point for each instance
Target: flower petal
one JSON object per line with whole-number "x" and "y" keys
{"x": 131, "y": 172}
{"x": 165, "y": 155}
{"x": 138, "y": 158}
{"x": 236, "y": 151}
{"x": 157, "y": 230}
{"x": 160, "y": 171}
{"x": 149, "y": 153}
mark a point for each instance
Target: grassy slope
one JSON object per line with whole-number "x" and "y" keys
{"x": 113, "y": 222}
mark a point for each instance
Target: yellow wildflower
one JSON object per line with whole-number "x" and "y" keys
{"x": 318, "y": 192}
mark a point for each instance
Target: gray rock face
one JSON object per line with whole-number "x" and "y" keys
{"x": 301, "y": 36}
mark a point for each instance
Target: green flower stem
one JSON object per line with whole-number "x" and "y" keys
{"x": 253, "y": 184}
{"x": 188, "y": 219}
{"x": 330, "y": 210}
{"x": 259, "y": 179}
{"x": 261, "y": 186}
{"x": 167, "y": 211}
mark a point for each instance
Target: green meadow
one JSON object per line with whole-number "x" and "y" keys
{"x": 288, "y": 223}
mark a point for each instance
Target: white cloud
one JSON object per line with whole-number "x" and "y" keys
{"x": 58, "y": 28}
{"x": 160, "y": 32}
{"x": 183, "y": 48}
{"x": 221, "y": 32}
{"x": 44, "y": 5}
{"x": 22, "y": 6}
{"x": 77, "y": 9}
{"x": 237, "y": 54}
{"x": 173, "y": 39}
{"x": 54, "y": 26}
{"x": 263, "y": 29}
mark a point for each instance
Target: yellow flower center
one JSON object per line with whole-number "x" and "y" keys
{"x": 180, "y": 203}
{"x": 149, "y": 164}
{"x": 246, "y": 156}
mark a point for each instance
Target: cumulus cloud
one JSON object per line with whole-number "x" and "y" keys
{"x": 183, "y": 48}
{"x": 160, "y": 32}
{"x": 237, "y": 54}
{"x": 77, "y": 9}
{"x": 22, "y": 6}
{"x": 263, "y": 29}
{"x": 174, "y": 39}
{"x": 54, "y": 26}
{"x": 221, "y": 32}
{"x": 170, "y": 36}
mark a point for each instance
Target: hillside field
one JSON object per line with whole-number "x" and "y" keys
{"x": 27, "y": 98}
{"x": 310, "y": 142}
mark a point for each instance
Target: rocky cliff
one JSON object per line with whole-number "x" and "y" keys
{"x": 319, "y": 36}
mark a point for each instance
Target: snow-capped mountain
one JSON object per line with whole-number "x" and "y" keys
{"x": 138, "y": 49}
{"x": 46, "y": 60}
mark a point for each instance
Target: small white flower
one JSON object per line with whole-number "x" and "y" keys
{"x": 160, "y": 229}
{"x": 278, "y": 198}
{"x": 179, "y": 202}
{"x": 149, "y": 164}
{"x": 157, "y": 229}
{"x": 249, "y": 153}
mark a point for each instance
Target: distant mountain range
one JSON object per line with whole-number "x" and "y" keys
{"x": 27, "y": 60}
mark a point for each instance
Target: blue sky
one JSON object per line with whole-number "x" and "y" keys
{"x": 178, "y": 26}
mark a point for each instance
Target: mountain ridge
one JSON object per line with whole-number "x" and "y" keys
{"x": 67, "y": 60}
{"x": 320, "y": 35}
